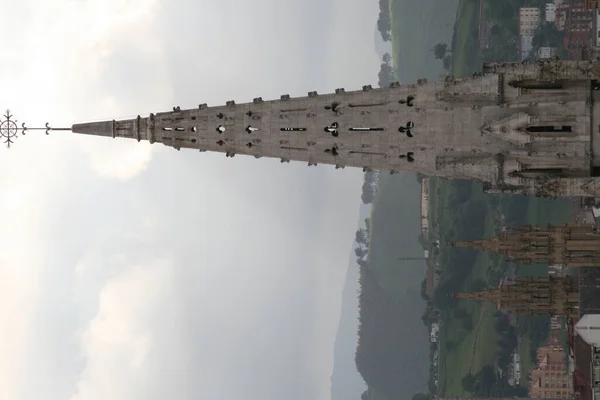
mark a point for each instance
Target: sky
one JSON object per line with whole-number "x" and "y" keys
{"x": 133, "y": 271}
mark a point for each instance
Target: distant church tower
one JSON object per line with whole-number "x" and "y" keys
{"x": 528, "y": 128}
{"x": 573, "y": 245}
{"x": 532, "y": 296}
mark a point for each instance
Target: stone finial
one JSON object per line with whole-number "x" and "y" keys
{"x": 367, "y": 88}
{"x": 394, "y": 85}
{"x": 257, "y": 100}
{"x": 312, "y": 94}
{"x": 176, "y": 109}
{"x": 230, "y": 103}
{"x": 340, "y": 91}
{"x": 203, "y": 106}
{"x": 285, "y": 97}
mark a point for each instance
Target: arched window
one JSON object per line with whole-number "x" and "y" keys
{"x": 549, "y": 128}
{"x": 533, "y": 84}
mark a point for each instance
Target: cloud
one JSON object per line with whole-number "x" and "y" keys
{"x": 118, "y": 340}
{"x": 108, "y": 62}
{"x": 23, "y": 256}
{"x": 181, "y": 281}
{"x": 121, "y": 160}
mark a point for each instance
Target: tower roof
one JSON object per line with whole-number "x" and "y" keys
{"x": 531, "y": 296}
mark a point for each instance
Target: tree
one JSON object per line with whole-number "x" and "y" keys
{"x": 447, "y": 62}
{"x": 360, "y": 252}
{"x": 425, "y": 319}
{"x": 385, "y": 75}
{"x": 469, "y": 383}
{"x": 422, "y": 240}
{"x": 384, "y": 26}
{"x": 367, "y": 193}
{"x": 365, "y": 395}
{"x": 425, "y": 297}
{"x": 362, "y": 236}
{"x": 387, "y": 58}
{"x": 486, "y": 378}
{"x": 421, "y": 396}
{"x": 440, "y": 50}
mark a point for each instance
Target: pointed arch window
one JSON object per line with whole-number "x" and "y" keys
{"x": 533, "y": 84}
{"x": 549, "y": 129}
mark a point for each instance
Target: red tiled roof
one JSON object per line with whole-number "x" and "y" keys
{"x": 582, "y": 379}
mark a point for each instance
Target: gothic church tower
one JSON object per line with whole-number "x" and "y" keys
{"x": 573, "y": 245}
{"x": 528, "y": 128}
{"x": 532, "y": 296}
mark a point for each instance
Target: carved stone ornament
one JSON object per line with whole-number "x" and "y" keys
{"x": 546, "y": 187}
{"x": 9, "y": 130}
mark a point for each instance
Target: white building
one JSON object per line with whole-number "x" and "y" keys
{"x": 434, "y": 335}
{"x": 529, "y": 20}
{"x": 550, "y": 12}
{"x": 588, "y": 328}
{"x": 546, "y": 52}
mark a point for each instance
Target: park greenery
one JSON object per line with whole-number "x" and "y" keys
{"x": 474, "y": 336}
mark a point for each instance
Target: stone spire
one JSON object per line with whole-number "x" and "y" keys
{"x": 532, "y": 296}
{"x": 490, "y": 296}
{"x": 573, "y": 245}
{"x": 517, "y": 127}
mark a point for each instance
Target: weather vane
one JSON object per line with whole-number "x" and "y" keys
{"x": 9, "y": 129}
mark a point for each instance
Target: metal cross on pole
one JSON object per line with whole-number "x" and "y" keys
{"x": 9, "y": 128}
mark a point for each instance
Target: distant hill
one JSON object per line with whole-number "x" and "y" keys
{"x": 393, "y": 346}
{"x": 346, "y": 382}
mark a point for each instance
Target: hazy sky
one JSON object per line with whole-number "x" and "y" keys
{"x": 131, "y": 271}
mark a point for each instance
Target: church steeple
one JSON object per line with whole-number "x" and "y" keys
{"x": 573, "y": 245}
{"x": 517, "y": 127}
{"x": 532, "y": 296}
{"x": 491, "y": 296}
